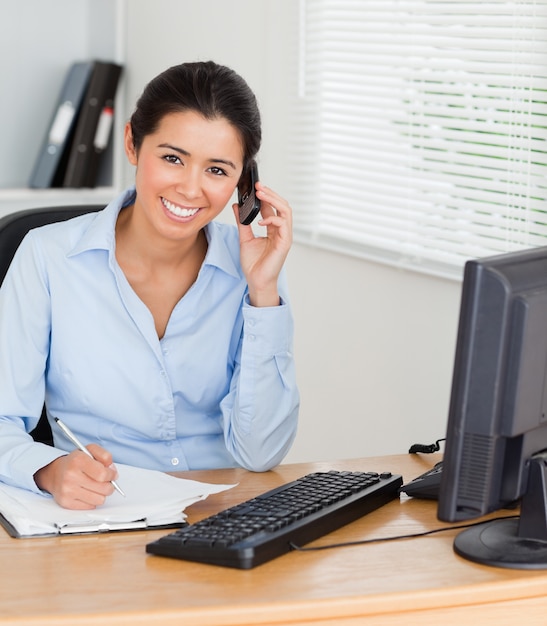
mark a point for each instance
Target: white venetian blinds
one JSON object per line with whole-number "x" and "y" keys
{"x": 420, "y": 129}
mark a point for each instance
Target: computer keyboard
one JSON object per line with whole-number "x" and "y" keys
{"x": 263, "y": 528}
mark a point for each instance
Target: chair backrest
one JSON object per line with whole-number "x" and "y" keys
{"x": 13, "y": 228}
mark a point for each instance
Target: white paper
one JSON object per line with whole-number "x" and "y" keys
{"x": 151, "y": 498}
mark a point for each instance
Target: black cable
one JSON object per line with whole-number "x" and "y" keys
{"x": 429, "y": 449}
{"x": 396, "y": 537}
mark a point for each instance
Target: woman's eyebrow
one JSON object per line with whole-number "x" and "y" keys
{"x": 186, "y": 153}
{"x": 224, "y": 162}
{"x": 174, "y": 148}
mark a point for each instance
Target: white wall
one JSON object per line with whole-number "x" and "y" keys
{"x": 374, "y": 349}
{"x": 374, "y": 345}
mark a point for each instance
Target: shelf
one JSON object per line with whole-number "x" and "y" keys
{"x": 16, "y": 199}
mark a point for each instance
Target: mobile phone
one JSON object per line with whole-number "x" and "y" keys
{"x": 249, "y": 204}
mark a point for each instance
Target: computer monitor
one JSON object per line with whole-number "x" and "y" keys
{"x": 497, "y": 423}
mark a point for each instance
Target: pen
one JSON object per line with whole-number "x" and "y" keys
{"x": 81, "y": 447}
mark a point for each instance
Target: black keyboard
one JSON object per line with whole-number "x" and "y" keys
{"x": 263, "y": 528}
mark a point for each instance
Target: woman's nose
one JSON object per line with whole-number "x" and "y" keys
{"x": 189, "y": 183}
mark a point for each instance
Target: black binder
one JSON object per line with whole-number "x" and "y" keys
{"x": 93, "y": 128}
{"x": 51, "y": 161}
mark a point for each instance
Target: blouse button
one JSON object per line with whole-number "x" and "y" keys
{"x": 174, "y": 461}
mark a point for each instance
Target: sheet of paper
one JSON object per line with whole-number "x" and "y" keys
{"x": 153, "y": 496}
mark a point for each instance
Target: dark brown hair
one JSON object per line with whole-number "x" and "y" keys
{"x": 213, "y": 90}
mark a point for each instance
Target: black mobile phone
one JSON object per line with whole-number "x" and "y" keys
{"x": 249, "y": 204}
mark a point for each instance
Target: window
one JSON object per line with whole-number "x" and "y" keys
{"x": 419, "y": 133}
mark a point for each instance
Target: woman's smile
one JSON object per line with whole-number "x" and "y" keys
{"x": 178, "y": 210}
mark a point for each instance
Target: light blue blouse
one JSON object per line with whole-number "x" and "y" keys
{"x": 217, "y": 390}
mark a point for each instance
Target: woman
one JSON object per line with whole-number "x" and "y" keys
{"x": 154, "y": 332}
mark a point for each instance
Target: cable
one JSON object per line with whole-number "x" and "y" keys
{"x": 426, "y": 449}
{"x": 396, "y": 537}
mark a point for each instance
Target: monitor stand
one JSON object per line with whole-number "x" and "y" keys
{"x": 519, "y": 543}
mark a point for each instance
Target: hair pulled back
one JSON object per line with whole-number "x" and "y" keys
{"x": 213, "y": 90}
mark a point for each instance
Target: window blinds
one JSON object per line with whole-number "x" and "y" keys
{"x": 419, "y": 133}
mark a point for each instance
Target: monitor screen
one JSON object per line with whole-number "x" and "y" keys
{"x": 497, "y": 423}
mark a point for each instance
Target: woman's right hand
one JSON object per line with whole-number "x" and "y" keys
{"x": 77, "y": 481}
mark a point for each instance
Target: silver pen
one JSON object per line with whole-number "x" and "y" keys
{"x": 81, "y": 447}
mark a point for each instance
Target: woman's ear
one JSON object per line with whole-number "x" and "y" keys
{"x": 129, "y": 145}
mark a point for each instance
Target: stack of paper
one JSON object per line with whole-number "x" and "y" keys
{"x": 151, "y": 499}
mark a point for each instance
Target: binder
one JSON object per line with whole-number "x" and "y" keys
{"x": 52, "y": 158}
{"x": 93, "y": 128}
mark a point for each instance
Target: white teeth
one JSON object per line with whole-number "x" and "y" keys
{"x": 177, "y": 210}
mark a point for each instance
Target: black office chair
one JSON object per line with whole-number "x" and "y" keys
{"x": 13, "y": 228}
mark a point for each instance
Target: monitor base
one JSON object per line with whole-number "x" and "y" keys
{"x": 497, "y": 543}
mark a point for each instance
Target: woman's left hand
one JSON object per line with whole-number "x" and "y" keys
{"x": 262, "y": 257}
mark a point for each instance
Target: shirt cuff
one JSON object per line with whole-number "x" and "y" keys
{"x": 38, "y": 455}
{"x": 268, "y": 329}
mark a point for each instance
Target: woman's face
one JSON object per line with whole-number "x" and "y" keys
{"x": 186, "y": 172}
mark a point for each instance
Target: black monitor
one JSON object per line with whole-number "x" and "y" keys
{"x": 497, "y": 425}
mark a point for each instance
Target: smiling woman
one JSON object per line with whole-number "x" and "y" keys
{"x": 182, "y": 351}
{"x": 187, "y": 171}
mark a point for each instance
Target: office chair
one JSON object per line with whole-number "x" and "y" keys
{"x": 13, "y": 228}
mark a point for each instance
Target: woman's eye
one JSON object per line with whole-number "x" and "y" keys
{"x": 217, "y": 171}
{"x": 171, "y": 158}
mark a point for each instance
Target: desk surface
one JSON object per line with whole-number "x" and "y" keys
{"x": 109, "y": 579}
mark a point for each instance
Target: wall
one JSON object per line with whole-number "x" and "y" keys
{"x": 374, "y": 348}
{"x": 374, "y": 345}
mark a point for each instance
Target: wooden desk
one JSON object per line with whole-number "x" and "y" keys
{"x": 110, "y": 580}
